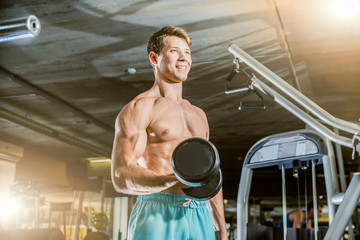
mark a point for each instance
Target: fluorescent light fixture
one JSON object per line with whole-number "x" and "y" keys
{"x": 99, "y": 160}
{"x": 10, "y": 152}
{"x": 19, "y": 28}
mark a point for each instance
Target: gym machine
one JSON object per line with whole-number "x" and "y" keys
{"x": 297, "y": 149}
{"x": 347, "y": 201}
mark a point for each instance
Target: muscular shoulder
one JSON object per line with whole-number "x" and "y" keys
{"x": 190, "y": 105}
{"x": 198, "y": 110}
{"x": 136, "y": 114}
{"x": 138, "y": 105}
{"x": 295, "y": 214}
{"x": 197, "y": 116}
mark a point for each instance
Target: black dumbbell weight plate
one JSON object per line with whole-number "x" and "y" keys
{"x": 208, "y": 190}
{"x": 195, "y": 161}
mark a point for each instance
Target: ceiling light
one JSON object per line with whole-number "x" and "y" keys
{"x": 131, "y": 70}
{"x": 346, "y": 8}
{"x": 99, "y": 160}
{"x": 8, "y": 206}
{"x": 19, "y": 28}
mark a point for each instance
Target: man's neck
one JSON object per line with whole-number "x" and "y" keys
{"x": 168, "y": 89}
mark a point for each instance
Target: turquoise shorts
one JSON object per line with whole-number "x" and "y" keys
{"x": 164, "y": 216}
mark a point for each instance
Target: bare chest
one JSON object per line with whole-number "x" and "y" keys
{"x": 176, "y": 121}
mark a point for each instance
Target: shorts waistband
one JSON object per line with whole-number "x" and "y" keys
{"x": 173, "y": 199}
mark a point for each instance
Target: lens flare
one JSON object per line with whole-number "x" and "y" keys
{"x": 346, "y": 8}
{"x": 8, "y": 206}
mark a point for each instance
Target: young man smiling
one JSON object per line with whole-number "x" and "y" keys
{"x": 149, "y": 128}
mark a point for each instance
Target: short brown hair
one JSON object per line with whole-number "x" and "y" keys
{"x": 311, "y": 205}
{"x": 157, "y": 40}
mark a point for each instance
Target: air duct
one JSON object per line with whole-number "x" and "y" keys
{"x": 10, "y": 152}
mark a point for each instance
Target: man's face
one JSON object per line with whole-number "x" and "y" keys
{"x": 319, "y": 209}
{"x": 174, "y": 60}
{"x": 319, "y": 212}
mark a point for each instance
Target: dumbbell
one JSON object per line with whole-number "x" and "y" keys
{"x": 196, "y": 163}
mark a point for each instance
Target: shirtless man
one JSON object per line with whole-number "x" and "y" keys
{"x": 297, "y": 218}
{"x": 149, "y": 128}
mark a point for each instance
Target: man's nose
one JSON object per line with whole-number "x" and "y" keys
{"x": 182, "y": 56}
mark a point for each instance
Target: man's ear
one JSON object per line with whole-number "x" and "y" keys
{"x": 153, "y": 57}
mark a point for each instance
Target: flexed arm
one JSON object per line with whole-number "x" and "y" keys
{"x": 129, "y": 145}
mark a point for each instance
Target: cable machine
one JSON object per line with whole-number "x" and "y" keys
{"x": 296, "y": 149}
{"x": 348, "y": 200}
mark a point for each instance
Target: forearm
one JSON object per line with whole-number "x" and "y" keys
{"x": 217, "y": 210}
{"x": 136, "y": 180}
{"x": 296, "y": 218}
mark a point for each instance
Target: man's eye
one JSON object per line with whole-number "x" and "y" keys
{"x": 173, "y": 50}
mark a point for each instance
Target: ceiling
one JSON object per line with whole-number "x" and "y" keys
{"x": 61, "y": 91}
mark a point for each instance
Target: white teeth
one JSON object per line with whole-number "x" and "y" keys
{"x": 182, "y": 67}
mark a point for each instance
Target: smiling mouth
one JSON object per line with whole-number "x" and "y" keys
{"x": 181, "y": 67}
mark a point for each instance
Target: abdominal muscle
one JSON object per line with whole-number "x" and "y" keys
{"x": 158, "y": 159}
